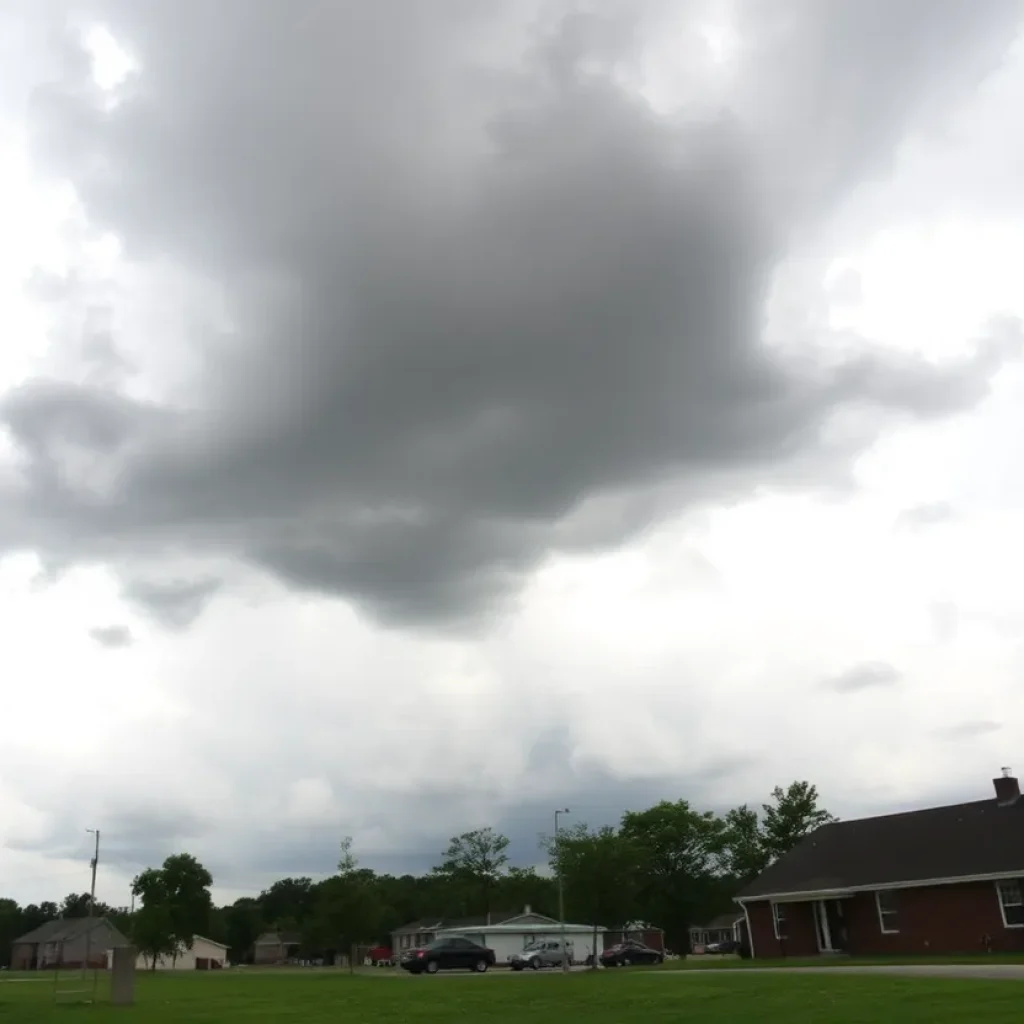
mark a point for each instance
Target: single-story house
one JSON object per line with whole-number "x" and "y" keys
{"x": 276, "y": 947}
{"x": 505, "y": 933}
{"x": 66, "y": 942}
{"x": 944, "y": 880}
{"x": 723, "y": 928}
{"x": 205, "y": 955}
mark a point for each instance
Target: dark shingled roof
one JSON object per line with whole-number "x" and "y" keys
{"x": 958, "y": 841}
{"x": 66, "y": 929}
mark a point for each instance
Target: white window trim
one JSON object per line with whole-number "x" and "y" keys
{"x": 881, "y": 915}
{"x": 1002, "y": 904}
{"x": 775, "y": 921}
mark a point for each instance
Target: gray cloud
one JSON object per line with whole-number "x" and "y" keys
{"x": 919, "y": 517}
{"x": 474, "y": 286}
{"x": 114, "y": 637}
{"x": 945, "y": 619}
{"x": 968, "y": 730}
{"x": 174, "y": 604}
{"x": 868, "y": 675}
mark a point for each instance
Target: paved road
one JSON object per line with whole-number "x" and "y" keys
{"x": 1004, "y": 971}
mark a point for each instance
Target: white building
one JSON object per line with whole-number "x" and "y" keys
{"x": 504, "y": 933}
{"x": 205, "y": 955}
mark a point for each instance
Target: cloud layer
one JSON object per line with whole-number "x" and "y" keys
{"x": 477, "y": 301}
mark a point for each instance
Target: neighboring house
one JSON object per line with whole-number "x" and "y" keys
{"x": 505, "y": 933}
{"x": 724, "y": 928}
{"x": 66, "y": 942}
{"x": 944, "y": 880}
{"x": 205, "y": 955}
{"x": 276, "y": 947}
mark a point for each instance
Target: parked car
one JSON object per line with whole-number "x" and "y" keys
{"x": 623, "y": 954}
{"x": 722, "y": 948}
{"x": 541, "y": 953}
{"x": 448, "y": 954}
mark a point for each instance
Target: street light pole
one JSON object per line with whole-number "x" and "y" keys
{"x": 561, "y": 890}
{"x": 92, "y": 896}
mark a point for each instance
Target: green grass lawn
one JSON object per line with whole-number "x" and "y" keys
{"x": 608, "y": 997}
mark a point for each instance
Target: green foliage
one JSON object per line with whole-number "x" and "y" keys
{"x": 681, "y": 852}
{"x": 176, "y": 905}
{"x": 478, "y": 860}
{"x": 793, "y": 815}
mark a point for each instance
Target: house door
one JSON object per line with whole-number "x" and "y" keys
{"x": 830, "y": 925}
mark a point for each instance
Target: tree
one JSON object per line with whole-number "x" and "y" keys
{"x": 243, "y": 922}
{"x": 477, "y": 859}
{"x": 599, "y": 874}
{"x": 176, "y": 905}
{"x": 793, "y": 815}
{"x": 288, "y": 902}
{"x": 77, "y": 905}
{"x": 680, "y": 852}
{"x": 746, "y": 855}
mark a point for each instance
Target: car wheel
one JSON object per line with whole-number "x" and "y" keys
{"x": 480, "y": 966}
{"x": 626, "y": 961}
{"x": 658, "y": 960}
{"x": 535, "y": 964}
{"x": 517, "y": 967}
{"x": 432, "y": 966}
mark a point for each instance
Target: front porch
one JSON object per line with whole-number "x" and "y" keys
{"x": 801, "y": 928}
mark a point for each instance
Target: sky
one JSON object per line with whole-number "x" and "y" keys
{"x": 422, "y": 415}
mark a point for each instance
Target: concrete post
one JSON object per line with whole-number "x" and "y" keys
{"x": 122, "y": 976}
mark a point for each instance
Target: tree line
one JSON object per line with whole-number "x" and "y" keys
{"x": 671, "y": 866}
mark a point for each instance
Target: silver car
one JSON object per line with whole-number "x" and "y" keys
{"x": 540, "y": 953}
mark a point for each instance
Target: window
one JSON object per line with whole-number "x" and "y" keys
{"x": 888, "y": 912}
{"x": 1011, "y": 904}
{"x": 779, "y": 920}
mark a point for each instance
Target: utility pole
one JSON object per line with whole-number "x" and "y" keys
{"x": 561, "y": 889}
{"x": 92, "y": 896}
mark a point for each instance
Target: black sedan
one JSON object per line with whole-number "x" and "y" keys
{"x": 626, "y": 953}
{"x": 448, "y": 954}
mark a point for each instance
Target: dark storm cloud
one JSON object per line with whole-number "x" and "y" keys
{"x": 473, "y": 285}
{"x": 868, "y": 675}
{"x": 113, "y": 637}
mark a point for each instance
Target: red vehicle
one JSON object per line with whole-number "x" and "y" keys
{"x": 381, "y": 956}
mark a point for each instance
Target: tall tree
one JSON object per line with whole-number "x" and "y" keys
{"x": 599, "y": 872}
{"x": 243, "y": 922}
{"x": 793, "y": 814}
{"x": 680, "y": 855}
{"x": 176, "y": 902}
{"x": 479, "y": 860}
{"x": 746, "y": 854}
{"x": 288, "y": 903}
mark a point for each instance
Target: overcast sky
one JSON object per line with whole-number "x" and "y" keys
{"x": 424, "y": 414}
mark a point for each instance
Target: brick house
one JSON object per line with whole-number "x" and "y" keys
{"x": 942, "y": 880}
{"x": 66, "y": 942}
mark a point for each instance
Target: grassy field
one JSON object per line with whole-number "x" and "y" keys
{"x": 610, "y": 997}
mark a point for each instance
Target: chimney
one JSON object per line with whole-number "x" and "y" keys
{"x": 527, "y": 909}
{"x": 1007, "y": 789}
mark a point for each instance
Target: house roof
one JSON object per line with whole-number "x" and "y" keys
{"x": 479, "y": 921}
{"x": 720, "y": 923}
{"x": 939, "y": 844}
{"x": 278, "y": 939}
{"x": 65, "y": 929}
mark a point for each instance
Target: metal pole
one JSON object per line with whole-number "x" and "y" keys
{"x": 561, "y": 891}
{"x": 92, "y": 897}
